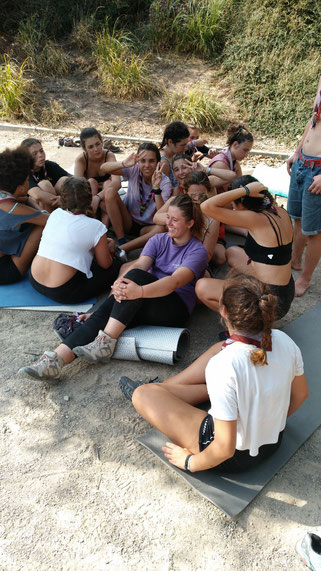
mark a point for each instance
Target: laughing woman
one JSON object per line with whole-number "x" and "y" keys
{"x": 158, "y": 290}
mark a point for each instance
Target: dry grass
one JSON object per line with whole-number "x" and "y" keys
{"x": 15, "y": 90}
{"x": 198, "y": 106}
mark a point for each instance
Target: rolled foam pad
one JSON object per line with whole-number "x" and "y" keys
{"x": 231, "y": 493}
{"x": 152, "y": 343}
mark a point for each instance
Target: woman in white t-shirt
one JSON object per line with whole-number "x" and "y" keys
{"x": 75, "y": 258}
{"x": 254, "y": 381}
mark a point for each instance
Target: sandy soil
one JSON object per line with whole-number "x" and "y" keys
{"x": 79, "y": 493}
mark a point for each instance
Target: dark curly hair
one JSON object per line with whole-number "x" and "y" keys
{"x": 250, "y": 307}
{"x": 253, "y": 203}
{"x": 175, "y": 131}
{"x": 239, "y": 134}
{"x": 76, "y": 195}
{"x": 15, "y": 167}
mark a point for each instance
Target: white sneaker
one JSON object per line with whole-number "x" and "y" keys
{"x": 99, "y": 350}
{"x": 309, "y": 549}
{"x": 48, "y": 366}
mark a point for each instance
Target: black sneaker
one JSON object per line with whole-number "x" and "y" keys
{"x": 127, "y": 385}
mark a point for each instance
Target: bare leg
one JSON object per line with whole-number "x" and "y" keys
{"x": 238, "y": 260}
{"x": 209, "y": 292}
{"x": 219, "y": 256}
{"x": 119, "y": 216}
{"x": 65, "y": 353}
{"x": 312, "y": 257}
{"x": 29, "y": 251}
{"x": 146, "y": 233}
{"x": 299, "y": 242}
{"x": 46, "y": 200}
{"x": 114, "y": 328}
{"x": 175, "y": 418}
{"x": 59, "y": 184}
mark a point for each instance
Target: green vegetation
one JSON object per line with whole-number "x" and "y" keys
{"x": 197, "y": 107}
{"x": 14, "y": 90}
{"x": 121, "y": 70}
{"x": 54, "y": 114}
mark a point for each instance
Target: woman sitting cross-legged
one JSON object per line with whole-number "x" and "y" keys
{"x": 20, "y": 225}
{"x": 250, "y": 394}
{"x": 268, "y": 245}
{"x": 158, "y": 290}
{"x": 148, "y": 189}
{"x": 75, "y": 258}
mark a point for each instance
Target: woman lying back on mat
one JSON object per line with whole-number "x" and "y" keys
{"x": 268, "y": 245}
{"x": 20, "y": 225}
{"x": 75, "y": 258}
{"x": 251, "y": 395}
{"x": 88, "y": 164}
{"x": 148, "y": 189}
{"x": 46, "y": 177}
{"x": 158, "y": 290}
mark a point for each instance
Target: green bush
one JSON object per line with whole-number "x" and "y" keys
{"x": 15, "y": 99}
{"x": 121, "y": 70}
{"x": 272, "y": 58}
{"x": 197, "y": 107}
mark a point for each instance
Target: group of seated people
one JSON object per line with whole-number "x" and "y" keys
{"x": 177, "y": 210}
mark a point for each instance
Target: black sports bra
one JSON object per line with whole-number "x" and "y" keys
{"x": 99, "y": 179}
{"x": 279, "y": 255}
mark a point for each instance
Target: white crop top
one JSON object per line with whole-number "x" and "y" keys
{"x": 70, "y": 239}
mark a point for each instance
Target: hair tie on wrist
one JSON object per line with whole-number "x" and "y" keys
{"x": 187, "y": 462}
{"x": 247, "y": 190}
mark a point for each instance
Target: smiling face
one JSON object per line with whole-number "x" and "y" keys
{"x": 38, "y": 156}
{"x": 94, "y": 147}
{"x": 180, "y": 169}
{"x": 239, "y": 151}
{"x": 148, "y": 164}
{"x": 179, "y": 229}
{"x": 197, "y": 192}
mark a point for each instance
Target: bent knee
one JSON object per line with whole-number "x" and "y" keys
{"x": 234, "y": 255}
{"x": 202, "y": 288}
{"x": 142, "y": 396}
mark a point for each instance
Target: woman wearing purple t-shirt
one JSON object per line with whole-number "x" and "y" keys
{"x": 159, "y": 289}
{"x": 148, "y": 189}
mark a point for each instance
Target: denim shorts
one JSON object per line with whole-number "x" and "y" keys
{"x": 302, "y": 204}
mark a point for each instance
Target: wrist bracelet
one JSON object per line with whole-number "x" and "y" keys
{"x": 247, "y": 190}
{"x": 187, "y": 462}
{"x": 208, "y": 171}
{"x": 156, "y": 191}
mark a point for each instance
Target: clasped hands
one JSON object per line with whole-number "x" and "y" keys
{"x": 125, "y": 289}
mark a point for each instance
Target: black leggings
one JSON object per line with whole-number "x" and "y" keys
{"x": 241, "y": 460}
{"x": 79, "y": 287}
{"x": 169, "y": 311}
{"x": 9, "y": 273}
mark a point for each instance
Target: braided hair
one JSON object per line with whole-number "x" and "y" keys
{"x": 76, "y": 195}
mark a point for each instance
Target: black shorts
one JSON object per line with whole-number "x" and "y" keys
{"x": 241, "y": 460}
{"x": 9, "y": 273}
{"x": 136, "y": 228}
{"x": 285, "y": 295}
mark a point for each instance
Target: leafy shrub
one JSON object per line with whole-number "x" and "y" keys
{"x": 15, "y": 98}
{"x": 121, "y": 70}
{"x": 197, "y": 107}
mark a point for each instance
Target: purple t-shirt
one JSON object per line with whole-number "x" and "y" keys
{"x": 168, "y": 257}
{"x": 136, "y": 187}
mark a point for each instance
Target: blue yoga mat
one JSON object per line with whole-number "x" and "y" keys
{"x": 23, "y": 296}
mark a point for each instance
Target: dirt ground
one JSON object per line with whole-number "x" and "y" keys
{"x": 79, "y": 493}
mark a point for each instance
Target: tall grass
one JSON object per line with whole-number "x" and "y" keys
{"x": 188, "y": 26}
{"x": 14, "y": 90}
{"x": 197, "y": 107}
{"x": 121, "y": 70}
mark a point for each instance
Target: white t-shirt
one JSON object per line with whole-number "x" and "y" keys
{"x": 258, "y": 397}
{"x": 70, "y": 239}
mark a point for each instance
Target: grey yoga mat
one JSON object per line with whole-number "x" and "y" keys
{"x": 153, "y": 343}
{"x": 233, "y": 492}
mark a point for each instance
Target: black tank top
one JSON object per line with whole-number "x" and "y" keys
{"x": 279, "y": 255}
{"x": 99, "y": 179}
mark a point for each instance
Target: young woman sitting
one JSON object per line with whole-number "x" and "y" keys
{"x": 20, "y": 225}
{"x": 148, "y": 188}
{"x": 46, "y": 177}
{"x": 88, "y": 164}
{"x": 75, "y": 258}
{"x": 175, "y": 140}
{"x": 250, "y": 395}
{"x": 268, "y": 245}
{"x": 197, "y": 186}
{"x": 182, "y": 165}
{"x": 158, "y": 290}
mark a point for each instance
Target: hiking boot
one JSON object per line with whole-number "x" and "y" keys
{"x": 309, "y": 549}
{"x": 48, "y": 366}
{"x": 99, "y": 350}
{"x": 127, "y": 385}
